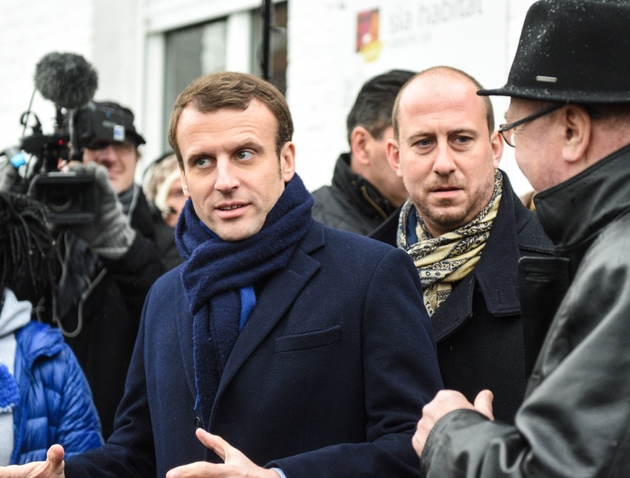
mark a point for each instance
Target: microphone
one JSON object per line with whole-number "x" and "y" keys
{"x": 66, "y": 79}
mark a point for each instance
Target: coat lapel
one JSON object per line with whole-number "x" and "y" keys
{"x": 497, "y": 271}
{"x": 185, "y": 335}
{"x": 456, "y": 309}
{"x": 277, "y": 297}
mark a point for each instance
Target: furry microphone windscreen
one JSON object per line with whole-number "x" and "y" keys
{"x": 66, "y": 79}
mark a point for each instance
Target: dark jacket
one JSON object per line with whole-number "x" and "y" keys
{"x": 351, "y": 203}
{"x": 575, "y": 420}
{"x": 478, "y": 329}
{"x": 324, "y": 379}
{"x": 111, "y": 311}
{"x": 148, "y": 221}
{"x": 55, "y": 401}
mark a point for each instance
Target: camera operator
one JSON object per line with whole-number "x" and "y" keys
{"x": 109, "y": 266}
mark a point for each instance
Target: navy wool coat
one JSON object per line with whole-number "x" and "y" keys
{"x": 479, "y": 328}
{"x": 327, "y": 378}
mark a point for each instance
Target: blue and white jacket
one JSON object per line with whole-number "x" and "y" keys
{"x": 55, "y": 403}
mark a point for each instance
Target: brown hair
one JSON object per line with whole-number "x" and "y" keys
{"x": 444, "y": 70}
{"x": 231, "y": 90}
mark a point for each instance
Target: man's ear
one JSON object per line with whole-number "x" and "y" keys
{"x": 496, "y": 142}
{"x": 393, "y": 156}
{"x": 359, "y": 139}
{"x": 287, "y": 161}
{"x": 182, "y": 175}
{"x": 576, "y": 125}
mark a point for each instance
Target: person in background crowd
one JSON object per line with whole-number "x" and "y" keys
{"x": 569, "y": 122}
{"x": 108, "y": 266}
{"x": 121, "y": 158}
{"x": 365, "y": 190}
{"x": 163, "y": 188}
{"x": 44, "y": 396}
{"x": 466, "y": 230}
{"x": 293, "y": 349}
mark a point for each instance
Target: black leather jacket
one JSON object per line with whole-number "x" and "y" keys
{"x": 575, "y": 420}
{"x": 351, "y": 203}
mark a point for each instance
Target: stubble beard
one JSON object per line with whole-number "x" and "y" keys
{"x": 449, "y": 216}
{"x": 444, "y": 215}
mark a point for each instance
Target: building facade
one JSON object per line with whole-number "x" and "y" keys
{"x": 146, "y": 51}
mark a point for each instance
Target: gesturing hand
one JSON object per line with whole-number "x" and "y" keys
{"x": 235, "y": 464}
{"x": 53, "y": 467}
{"x": 444, "y": 402}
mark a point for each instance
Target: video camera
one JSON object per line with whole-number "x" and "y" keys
{"x": 69, "y": 81}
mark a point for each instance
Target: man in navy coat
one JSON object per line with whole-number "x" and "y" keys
{"x": 466, "y": 230}
{"x": 280, "y": 347}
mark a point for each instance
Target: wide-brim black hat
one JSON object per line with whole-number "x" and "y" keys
{"x": 572, "y": 51}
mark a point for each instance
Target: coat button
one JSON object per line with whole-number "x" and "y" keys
{"x": 198, "y": 423}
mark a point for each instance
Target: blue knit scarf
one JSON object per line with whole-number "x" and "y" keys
{"x": 216, "y": 272}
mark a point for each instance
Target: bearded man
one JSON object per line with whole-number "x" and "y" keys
{"x": 466, "y": 230}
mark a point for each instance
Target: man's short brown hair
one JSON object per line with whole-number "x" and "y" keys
{"x": 231, "y": 90}
{"x": 448, "y": 70}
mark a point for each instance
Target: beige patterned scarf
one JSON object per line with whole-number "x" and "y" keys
{"x": 448, "y": 258}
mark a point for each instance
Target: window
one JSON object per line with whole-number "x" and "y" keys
{"x": 278, "y": 45}
{"x": 190, "y": 53}
{"x": 234, "y": 42}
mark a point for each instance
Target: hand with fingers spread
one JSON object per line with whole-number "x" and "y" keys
{"x": 445, "y": 402}
{"x": 235, "y": 464}
{"x": 53, "y": 467}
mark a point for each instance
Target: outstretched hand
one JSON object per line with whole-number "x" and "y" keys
{"x": 444, "y": 402}
{"x": 235, "y": 464}
{"x": 53, "y": 467}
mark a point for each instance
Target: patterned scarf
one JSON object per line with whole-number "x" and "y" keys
{"x": 216, "y": 272}
{"x": 448, "y": 258}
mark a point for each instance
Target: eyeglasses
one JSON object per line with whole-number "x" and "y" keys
{"x": 507, "y": 130}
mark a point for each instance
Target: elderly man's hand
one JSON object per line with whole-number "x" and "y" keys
{"x": 444, "y": 402}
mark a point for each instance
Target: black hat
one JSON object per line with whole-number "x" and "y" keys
{"x": 127, "y": 119}
{"x": 572, "y": 51}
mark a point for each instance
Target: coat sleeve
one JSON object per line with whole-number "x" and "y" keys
{"x": 575, "y": 419}
{"x": 400, "y": 375}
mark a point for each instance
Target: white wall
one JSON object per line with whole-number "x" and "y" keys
{"x": 124, "y": 41}
{"x": 103, "y": 31}
{"x": 30, "y": 30}
{"x": 326, "y": 72}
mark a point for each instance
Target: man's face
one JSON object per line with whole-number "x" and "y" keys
{"x": 231, "y": 169}
{"x": 537, "y": 153}
{"x": 445, "y": 154}
{"x": 120, "y": 159}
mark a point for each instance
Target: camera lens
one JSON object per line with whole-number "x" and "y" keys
{"x": 58, "y": 199}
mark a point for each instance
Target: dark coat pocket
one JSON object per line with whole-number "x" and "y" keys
{"x": 308, "y": 340}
